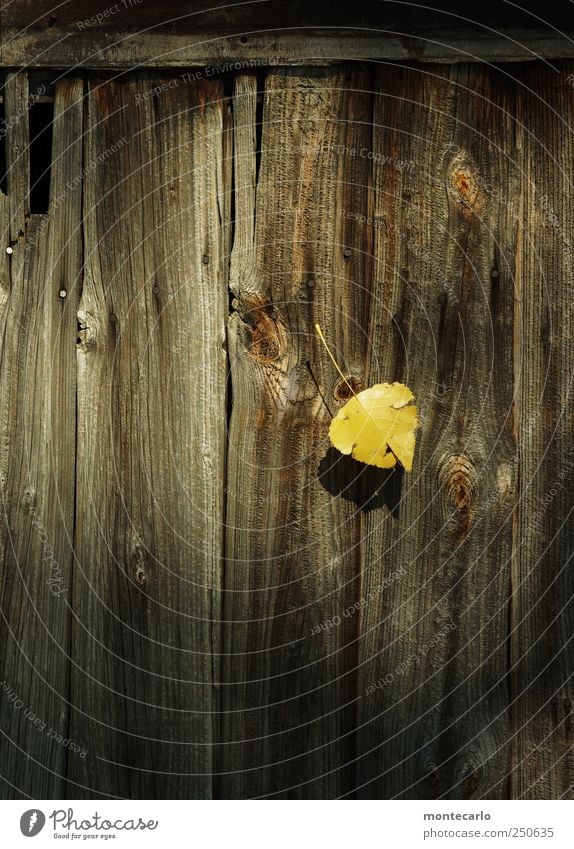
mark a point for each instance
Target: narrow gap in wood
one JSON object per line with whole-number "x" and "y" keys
{"x": 40, "y": 140}
{"x": 514, "y": 635}
{"x": 228, "y": 86}
{"x": 217, "y": 787}
{"x": 3, "y": 170}
{"x": 40, "y": 86}
{"x": 80, "y": 284}
{"x": 261, "y": 77}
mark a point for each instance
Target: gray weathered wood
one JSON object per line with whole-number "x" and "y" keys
{"x": 434, "y": 718}
{"x": 214, "y": 54}
{"x": 542, "y": 585}
{"x": 293, "y": 546}
{"x": 37, "y": 403}
{"x": 151, "y": 440}
{"x": 178, "y": 33}
{"x": 379, "y": 635}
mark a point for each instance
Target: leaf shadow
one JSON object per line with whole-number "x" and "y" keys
{"x": 366, "y": 486}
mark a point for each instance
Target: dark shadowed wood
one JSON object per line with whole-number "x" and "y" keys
{"x": 293, "y": 546}
{"x": 542, "y": 585}
{"x": 37, "y": 403}
{"x": 213, "y": 54}
{"x": 223, "y": 17}
{"x": 130, "y": 33}
{"x": 151, "y": 439}
{"x": 246, "y": 613}
{"x": 434, "y": 710}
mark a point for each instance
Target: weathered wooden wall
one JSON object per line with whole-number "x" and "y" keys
{"x": 173, "y": 33}
{"x": 195, "y": 589}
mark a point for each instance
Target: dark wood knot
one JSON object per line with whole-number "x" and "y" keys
{"x": 263, "y": 334}
{"x": 345, "y": 389}
{"x": 458, "y": 477}
{"x": 138, "y": 562}
{"x": 465, "y": 186}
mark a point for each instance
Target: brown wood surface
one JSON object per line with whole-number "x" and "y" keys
{"x": 202, "y": 14}
{"x": 38, "y": 404}
{"x": 292, "y": 550}
{"x": 244, "y": 612}
{"x": 176, "y": 33}
{"x": 542, "y": 583}
{"x": 434, "y": 657}
{"x": 151, "y": 425}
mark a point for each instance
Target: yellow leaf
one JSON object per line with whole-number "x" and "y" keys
{"x": 377, "y": 426}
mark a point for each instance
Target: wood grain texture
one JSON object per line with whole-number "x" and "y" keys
{"x": 195, "y": 589}
{"x": 219, "y": 54}
{"x": 543, "y": 586}
{"x": 126, "y": 34}
{"x": 37, "y": 455}
{"x": 201, "y": 14}
{"x": 434, "y": 720}
{"x": 151, "y": 441}
{"x": 293, "y": 547}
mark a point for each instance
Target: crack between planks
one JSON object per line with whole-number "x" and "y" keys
{"x": 217, "y": 777}
{"x": 517, "y": 421}
{"x": 80, "y": 284}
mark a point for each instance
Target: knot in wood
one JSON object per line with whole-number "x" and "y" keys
{"x": 345, "y": 389}
{"x": 28, "y": 501}
{"x": 264, "y": 335}
{"x": 138, "y": 562}
{"x": 458, "y": 477}
{"x": 465, "y": 186}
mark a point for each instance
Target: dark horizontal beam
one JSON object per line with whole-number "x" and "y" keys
{"x": 180, "y": 33}
{"x": 69, "y": 48}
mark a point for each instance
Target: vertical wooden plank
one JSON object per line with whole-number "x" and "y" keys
{"x": 434, "y": 696}
{"x": 17, "y": 159}
{"x": 37, "y": 454}
{"x": 151, "y": 439}
{"x": 542, "y": 582}
{"x": 17, "y": 165}
{"x": 293, "y": 545}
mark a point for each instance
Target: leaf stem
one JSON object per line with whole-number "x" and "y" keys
{"x": 322, "y": 338}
